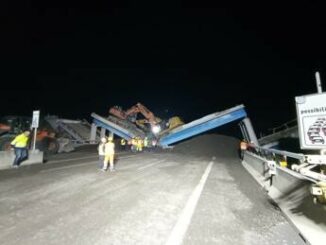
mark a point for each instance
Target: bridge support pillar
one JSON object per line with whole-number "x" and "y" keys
{"x": 93, "y": 133}
{"x": 103, "y": 132}
{"x": 249, "y": 131}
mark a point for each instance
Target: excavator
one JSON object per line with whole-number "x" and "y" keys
{"x": 157, "y": 125}
{"x": 131, "y": 115}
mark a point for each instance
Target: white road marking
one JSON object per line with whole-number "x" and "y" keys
{"x": 177, "y": 235}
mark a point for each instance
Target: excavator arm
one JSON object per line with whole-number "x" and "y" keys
{"x": 118, "y": 112}
{"x": 132, "y": 112}
{"x": 148, "y": 114}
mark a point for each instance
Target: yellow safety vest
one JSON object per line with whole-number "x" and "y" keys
{"x": 20, "y": 141}
{"x": 109, "y": 148}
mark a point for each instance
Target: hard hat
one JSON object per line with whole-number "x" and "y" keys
{"x": 110, "y": 138}
{"x": 103, "y": 140}
{"x": 27, "y": 132}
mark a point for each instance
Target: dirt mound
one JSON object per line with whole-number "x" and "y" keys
{"x": 209, "y": 145}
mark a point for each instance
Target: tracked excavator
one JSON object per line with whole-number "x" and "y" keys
{"x": 150, "y": 122}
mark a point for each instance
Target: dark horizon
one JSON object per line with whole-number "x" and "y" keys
{"x": 74, "y": 61}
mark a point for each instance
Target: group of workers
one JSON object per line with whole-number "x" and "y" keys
{"x": 137, "y": 144}
{"x": 106, "y": 150}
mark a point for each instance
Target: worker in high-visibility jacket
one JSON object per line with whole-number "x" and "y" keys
{"x": 139, "y": 146}
{"x": 109, "y": 155}
{"x": 20, "y": 145}
{"x": 243, "y": 145}
{"x": 101, "y": 152}
{"x": 134, "y": 144}
{"x": 145, "y": 142}
{"x": 243, "y": 148}
{"x": 123, "y": 144}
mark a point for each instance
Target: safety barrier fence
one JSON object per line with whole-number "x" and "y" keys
{"x": 284, "y": 160}
{"x": 284, "y": 126}
{"x": 289, "y": 189}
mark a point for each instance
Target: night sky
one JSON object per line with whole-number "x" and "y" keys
{"x": 177, "y": 60}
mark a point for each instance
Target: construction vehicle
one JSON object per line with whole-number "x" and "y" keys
{"x": 131, "y": 113}
{"x": 151, "y": 124}
{"x": 11, "y": 126}
{"x": 155, "y": 123}
{"x": 172, "y": 123}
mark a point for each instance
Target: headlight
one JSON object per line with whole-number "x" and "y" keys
{"x": 156, "y": 129}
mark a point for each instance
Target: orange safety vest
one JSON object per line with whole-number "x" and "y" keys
{"x": 243, "y": 145}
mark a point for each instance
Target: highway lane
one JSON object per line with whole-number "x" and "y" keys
{"x": 153, "y": 198}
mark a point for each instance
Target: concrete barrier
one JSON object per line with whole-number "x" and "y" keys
{"x": 291, "y": 193}
{"x": 7, "y": 158}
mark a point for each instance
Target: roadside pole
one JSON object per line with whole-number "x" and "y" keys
{"x": 35, "y": 123}
{"x": 318, "y": 83}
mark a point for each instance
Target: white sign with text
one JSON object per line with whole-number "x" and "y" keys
{"x": 36, "y": 119}
{"x": 311, "y": 114}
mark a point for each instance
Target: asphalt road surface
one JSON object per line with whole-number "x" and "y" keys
{"x": 196, "y": 193}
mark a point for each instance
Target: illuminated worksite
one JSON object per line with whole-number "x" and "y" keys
{"x": 294, "y": 181}
{"x": 157, "y": 123}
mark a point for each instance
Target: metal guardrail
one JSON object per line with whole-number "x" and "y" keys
{"x": 278, "y": 156}
{"x": 282, "y": 131}
{"x": 285, "y": 169}
{"x": 284, "y": 126}
{"x": 273, "y": 152}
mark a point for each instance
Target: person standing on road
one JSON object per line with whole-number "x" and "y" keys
{"x": 243, "y": 148}
{"x": 101, "y": 152}
{"x": 134, "y": 144}
{"x": 145, "y": 142}
{"x": 109, "y": 155}
{"x": 123, "y": 144}
{"x": 154, "y": 143}
{"x": 139, "y": 146}
{"x": 20, "y": 145}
